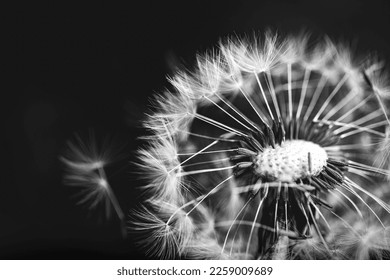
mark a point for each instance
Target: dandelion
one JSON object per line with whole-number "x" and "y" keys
{"x": 258, "y": 150}
{"x": 85, "y": 165}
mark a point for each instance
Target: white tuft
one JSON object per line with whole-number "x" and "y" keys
{"x": 160, "y": 167}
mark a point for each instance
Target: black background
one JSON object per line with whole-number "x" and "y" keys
{"x": 81, "y": 67}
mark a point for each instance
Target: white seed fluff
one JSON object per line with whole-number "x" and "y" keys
{"x": 245, "y": 148}
{"x": 290, "y": 161}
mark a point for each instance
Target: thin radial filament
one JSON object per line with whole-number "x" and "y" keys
{"x": 290, "y": 161}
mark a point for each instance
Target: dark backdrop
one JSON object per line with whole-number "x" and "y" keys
{"x": 93, "y": 67}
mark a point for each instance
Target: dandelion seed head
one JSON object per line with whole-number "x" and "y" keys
{"x": 82, "y": 161}
{"x": 254, "y": 142}
{"x": 85, "y": 164}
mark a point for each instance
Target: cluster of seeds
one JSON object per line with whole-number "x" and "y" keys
{"x": 266, "y": 150}
{"x": 293, "y": 160}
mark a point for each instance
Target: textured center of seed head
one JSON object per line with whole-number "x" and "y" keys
{"x": 292, "y": 160}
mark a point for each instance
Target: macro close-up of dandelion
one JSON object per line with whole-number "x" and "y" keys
{"x": 270, "y": 148}
{"x": 157, "y": 131}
